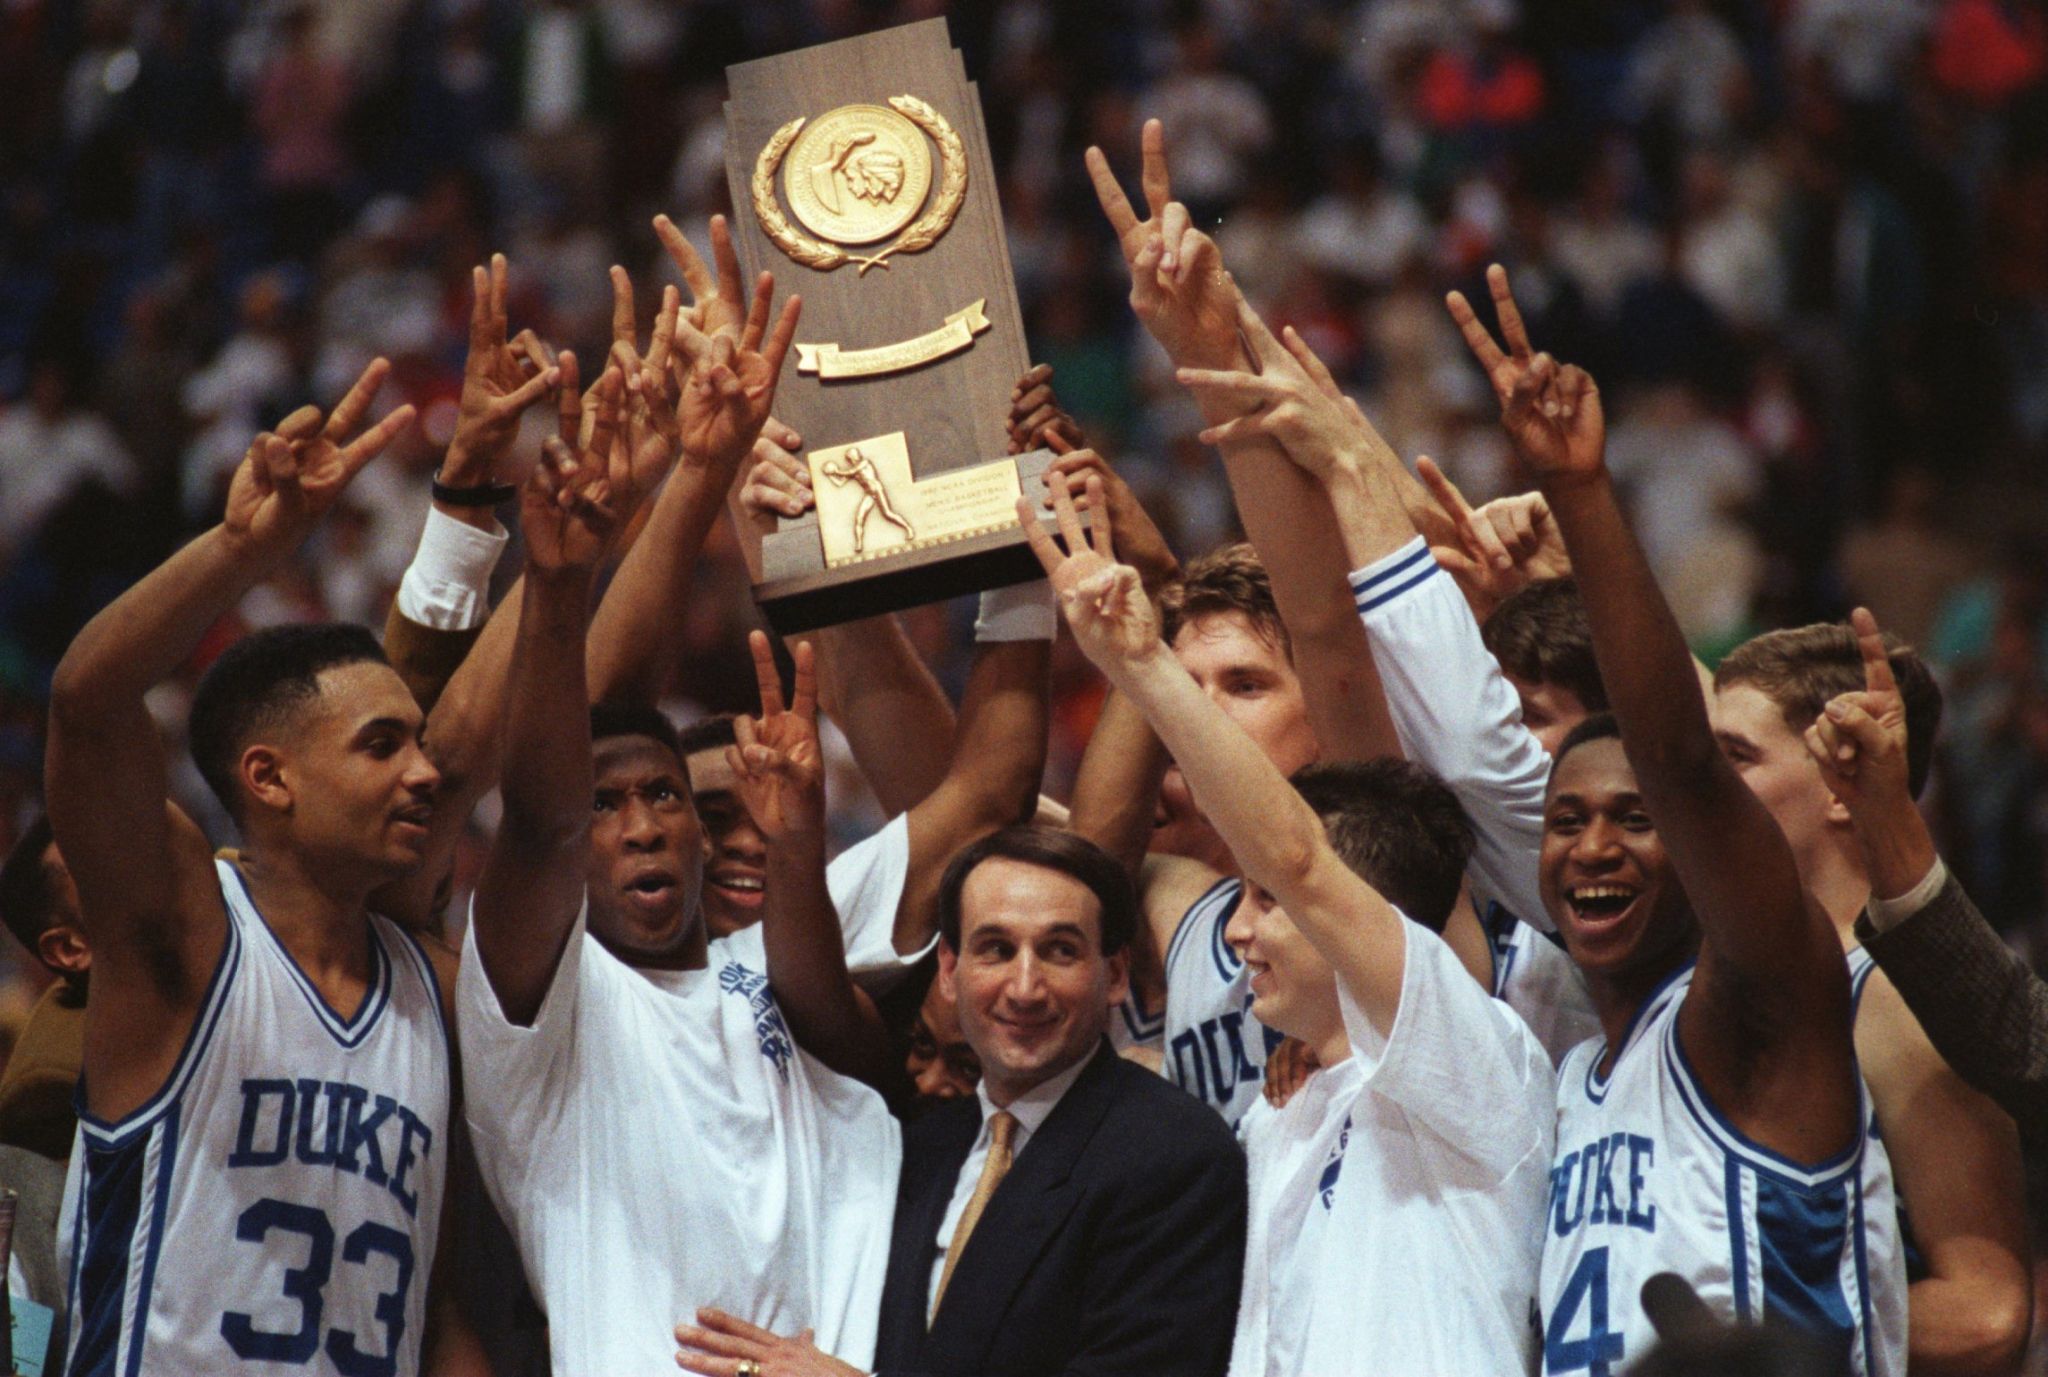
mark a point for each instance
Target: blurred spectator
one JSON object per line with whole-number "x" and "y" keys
{"x": 1902, "y": 565}
{"x": 50, "y": 447}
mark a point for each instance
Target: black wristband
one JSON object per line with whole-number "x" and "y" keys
{"x": 481, "y": 495}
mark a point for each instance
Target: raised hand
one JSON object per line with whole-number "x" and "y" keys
{"x": 1178, "y": 287}
{"x": 717, "y": 303}
{"x": 290, "y": 477}
{"x": 779, "y": 767}
{"x": 731, "y": 381}
{"x": 1859, "y": 740}
{"x": 1138, "y": 540}
{"x": 1104, "y": 602}
{"x": 779, "y": 484}
{"x": 565, "y": 510}
{"x": 500, "y": 379}
{"x": 1036, "y": 420}
{"x": 1501, "y": 547}
{"x": 1552, "y": 415}
{"x": 1291, "y": 398}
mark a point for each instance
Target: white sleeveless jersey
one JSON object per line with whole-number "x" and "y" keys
{"x": 274, "y": 1206}
{"x": 1215, "y": 1049}
{"x": 1650, "y": 1178}
{"x": 1537, "y": 978}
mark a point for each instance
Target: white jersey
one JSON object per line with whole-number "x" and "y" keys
{"x": 1537, "y": 978}
{"x": 1215, "y": 1049}
{"x": 657, "y": 1142}
{"x": 1397, "y": 1202}
{"x": 275, "y": 1205}
{"x": 866, "y": 885}
{"x": 1650, "y": 1178}
{"x": 1457, "y": 715}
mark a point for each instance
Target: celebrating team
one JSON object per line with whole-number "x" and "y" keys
{"x": 1494, "y": 960}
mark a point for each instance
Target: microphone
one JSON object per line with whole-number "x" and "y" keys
{"x": 1675, "y": 1310}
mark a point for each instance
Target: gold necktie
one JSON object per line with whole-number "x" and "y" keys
{"x": 1002, "y": 1127}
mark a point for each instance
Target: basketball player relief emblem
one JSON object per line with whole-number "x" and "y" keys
{"x": 857, "y": 176}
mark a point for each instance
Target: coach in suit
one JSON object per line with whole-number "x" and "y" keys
{"x": 1078, "y": 1214}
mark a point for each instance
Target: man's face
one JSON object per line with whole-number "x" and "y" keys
{"x": 1549, "y": 711}
{"x": 1030, "y": 983}
{"x": 1773, "y": 762}
{"x": 358, "y": 789}
{"x": 941, "y": 1062}
{"x": 1293, "y": 987}
{"x": 736, "y": 875}
{"x": 646, "y": 867}
{"x": 1606, "y": 881}
{"x": 1248, "y": 676}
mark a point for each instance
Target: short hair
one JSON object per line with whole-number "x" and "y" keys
{"x": 1540, "y": 634}
{"x": 28, "y": 901}
{"x": 1048, "y": 848}
{"x": 1601, "y": 726}
{"x": 706, "y": 734}
{"x": 1398, "y": 827}
{"x": 1803, "y": 668}
{"x": 1231, "y": 579}
{"x": 257, "y": 684}
{"x": 634, "y": 719}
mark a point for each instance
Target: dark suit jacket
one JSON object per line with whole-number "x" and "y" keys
{"x": 1114, "y": 1245}
{"x": 1984, "y": 1011}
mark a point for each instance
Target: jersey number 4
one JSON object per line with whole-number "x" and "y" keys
{"x": 307, "y": 1286}
{"x": 1600, "y": 1348}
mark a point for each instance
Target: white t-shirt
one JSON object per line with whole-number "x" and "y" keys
{"x": 866, "y": 884}
{"x": 657, "y": 1142}
{"x": 1397, "y": 1201}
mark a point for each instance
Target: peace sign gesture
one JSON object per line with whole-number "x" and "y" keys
{"x": 1552, "y": 415}
{"x": 716, "y": 302}
{"x": 1859, "y": 740}
{"x": 1502, "y": 547}
{"x": 1178, "y": 287}
{"x": 1104, "y": 602}
{"x": 566, "y": 509}
{"x": 290, "y": 477}
{"x": 731, "y": 381}
{"x": 780, "y": 770}
{"x": 500, "y": 379}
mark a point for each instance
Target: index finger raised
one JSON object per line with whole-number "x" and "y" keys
{"x": 1153, "y": 175}
{"x": 1877, "y": 661}
{"x": 1115, "y": 204}
{"x": 765, "y": 674}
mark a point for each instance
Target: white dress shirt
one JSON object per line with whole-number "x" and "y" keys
{"x": 1029, "y": 1109}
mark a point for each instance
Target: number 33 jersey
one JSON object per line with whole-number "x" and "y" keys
{"x": 1649, "y": 1177}
{"x": 275, "y": 1204}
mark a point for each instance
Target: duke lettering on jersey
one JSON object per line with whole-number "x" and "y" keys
{"x": 1210, "y": 1060}
{"x": 336, "y": 1126}
{"x": 1614, "y": 1170}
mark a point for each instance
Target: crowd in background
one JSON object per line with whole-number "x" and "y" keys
{"x": 1803, "y": 244}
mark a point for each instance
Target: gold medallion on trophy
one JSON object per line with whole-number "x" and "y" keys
{"x": 858, "y": 175}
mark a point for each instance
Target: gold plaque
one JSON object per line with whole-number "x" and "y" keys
{"x": 857, "y": 174}
{"x": 870, "y": 505}
{"x": 958, "y": 332}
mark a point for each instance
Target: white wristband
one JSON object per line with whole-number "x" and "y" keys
{"x": 1886, "y": 914}
{"x": 448, "y": 584}
{"x": 1022, "y": 612}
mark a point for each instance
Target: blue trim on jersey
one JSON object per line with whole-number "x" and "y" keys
{"x": 113, "y": 1133}
{"x": 1738, "y": 1245}
{"x": 1142, "y": 1030}
{"x": 1180, "y": 934}
{"x": 425, "y": 963}
{"x": 1859, "y": 976}
{"x": 1800, "y": 1233}
{"x": 1361, "y": 587}
{"x": 110, "y": 1199}
{"x": 351, "y": 1031}
{"x": 1228, "y": 962}
{"x": 1366, "y": 604}
{"x": 160, "y": 1211}
{"x": 1766, "y": 1163}
{"x": 1861, "y": 1240}
{"x": 1596, "y": 1084}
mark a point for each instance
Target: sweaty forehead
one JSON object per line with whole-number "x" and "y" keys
{"x": 359, "y": 692}
{"x": 632, "y": 757}
{"x": 1217, "y": 639}
{"x": 1594, "y": 769}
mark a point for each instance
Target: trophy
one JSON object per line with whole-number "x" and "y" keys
{"x": 861, "y": 178}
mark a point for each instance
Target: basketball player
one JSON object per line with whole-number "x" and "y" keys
{"x": 258, "y": 1178}
{"x": 1717, "y": 1129}
{"x": 856, "y": 468}
{"x": 1394, "y": 1227}
{"x": 644, "y": 1111}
